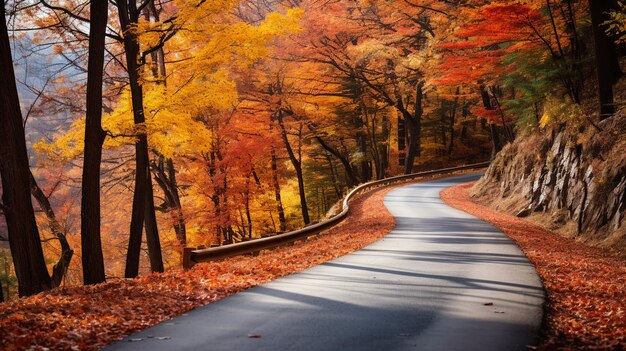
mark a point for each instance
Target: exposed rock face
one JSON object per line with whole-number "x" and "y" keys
{"x": 577, "y": 178}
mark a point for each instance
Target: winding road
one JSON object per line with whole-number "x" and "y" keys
{"x": 441, "y": 280}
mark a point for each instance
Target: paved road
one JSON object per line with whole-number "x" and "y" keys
{"x": 422, "y": 287}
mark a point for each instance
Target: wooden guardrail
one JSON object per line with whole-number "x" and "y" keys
{"x": 191, "y": 256}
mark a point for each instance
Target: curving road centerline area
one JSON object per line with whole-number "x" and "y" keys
{"x": 441, "y": 280}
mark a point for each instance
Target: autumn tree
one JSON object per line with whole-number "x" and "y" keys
{"x": 143, "y": 212}
{"x": 91, "y": 246}
{"x": 607, "y": 65}
{"x": 380, "y": 48}
{"x": 16, "y": 204}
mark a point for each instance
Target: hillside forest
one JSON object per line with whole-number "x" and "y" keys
{"x": 130, "y": 129}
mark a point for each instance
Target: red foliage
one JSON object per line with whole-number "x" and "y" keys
{"x": 586, "y": 305}
{"x": 493, "y": 116}
{"x": 489, "y": 34}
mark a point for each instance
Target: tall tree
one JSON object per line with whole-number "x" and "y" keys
{"x": 607, "y": 64}
{"x": 279, "y": 202}
{"x": 296, "y": 160}
{"x": 143, "y": 202}
{"x": 24, "y": 241}
{"x": 163, "y": 169}
{"x": 91, "y": 245}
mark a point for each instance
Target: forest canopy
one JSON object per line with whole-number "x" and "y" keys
{"x": 138, "y": 128}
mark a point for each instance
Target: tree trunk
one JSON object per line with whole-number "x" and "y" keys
{"x": 455, "y": 106}
{"x": 279, "y": 203}
{"x": 247, "y": 205}
{"x": 142, "y": 199}
{"x": 152, "y": 233}
{"x": 180, "y": 227}
{"x": 91, "y": 245}
{"x": 301, "y": 192}
{"x": 493, "y": 129}
{"x": 297, "y": 165}
{"x": 215, "y": 197}
{"x": 414, "y": 123}
{"x": 384, "y": 149}
{"x": 495, "y": 140}
{"x": 607, "y": 64}
{"x": 24, "y": 241}
{"x": 166, "y": 179}
{"x": 333, "y": 175}
{"x": 366, "y": 171}
{"x": 351, "y": 177}
{"x": 60, "y": 268}
{"x": 443, "y": 126}
{"x": 413, "y": 133}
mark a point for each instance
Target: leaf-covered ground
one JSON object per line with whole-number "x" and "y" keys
{"x": 586, "y": 287}
{"x": 89, "y": 317}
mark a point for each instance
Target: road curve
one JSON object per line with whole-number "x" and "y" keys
{"x": 441, "y": 280}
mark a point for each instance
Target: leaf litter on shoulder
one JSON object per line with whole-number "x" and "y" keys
{"x": 585, "y": 286}
{"x": 89, "y": 317}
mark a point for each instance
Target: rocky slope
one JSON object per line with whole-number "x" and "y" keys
{"x": 569, "y": 179}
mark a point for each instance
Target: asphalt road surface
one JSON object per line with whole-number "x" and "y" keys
{"x": 441, "y": 280}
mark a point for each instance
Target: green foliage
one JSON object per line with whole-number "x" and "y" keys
{"x": 533, "y": 79}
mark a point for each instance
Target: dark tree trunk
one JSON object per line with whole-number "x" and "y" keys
{"x": 143, "y": 200}
{"x": 414, "y": 124}
{"x": 152, "y": 233}
{"x": 91, "y": 245}
{"x": 215, "y": 197}
{"x": 164, "y": 171}
{"x": 60, "y": 268}
{"x": 383, "y": 149}
{"x": 333, "y": 174}
{"x": 607, "y": 64}
{"x": 301, "y": 192}
{"x": 495, "y": 140}
{"x": 180, "y": 227}
{"x": 247, "y": 206}
{"x": 28, "y": 260}
{"x": 279, "y": 203}
{"x": 493, "y": 129}
{"x": 412, "y": 141}
{"x": 464, "y": 114}
{"x": 351, "y": 177}
{"x": 297, "y": 165}
{"x": 366, "y": 171}
{"x": 165, "y": 176}
{"x": 455, "y": 106}
{"x": 443, "y": 126}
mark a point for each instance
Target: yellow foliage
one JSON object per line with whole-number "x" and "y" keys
{"x": 210, "y": 45}
{"x": 557, "y": 110}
